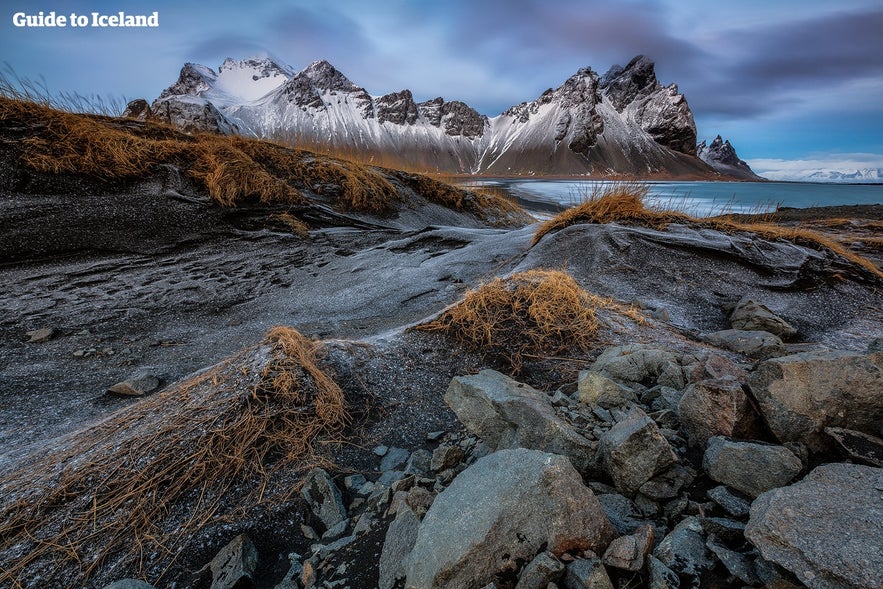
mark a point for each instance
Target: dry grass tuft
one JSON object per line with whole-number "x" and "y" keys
{"x": 624, "y": 203}
{"x": 533, "y": 314}
{"x": 131, "y": 491}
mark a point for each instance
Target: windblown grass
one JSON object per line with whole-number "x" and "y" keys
{"x": 131, "y": 491}
{"x": 625, "y": 203}
{"x": 528, "y": 315}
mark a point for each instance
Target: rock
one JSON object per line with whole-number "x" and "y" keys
{"x": 541, "y": 571}
{"x": 354, "y": 482}
{"x": 629, "y": 552}
{"x": 394, "y": 458}
{"x": 738, "y": 564}
{"x": 419, "y": 462}
{"x": 336, "y": 531}
{"x": 826, "y": 529}
{"x": 801, "y": 394}
{"x": 586, "y": 573}
{"x": 400, "y": 538}
{"x": 749, "y": 467}
{"x": 721, "y": 156}
{"x": 508, "y": 414}
{"x": 622, "y": 513}
{"x": 323, "y": 497}
{"x": 137, "y": 385}
{"x": 661, "y": 577}
{"x": 683, "y": 549}
{"x": 639, "y": 363}
{"x": 138, "y": 109}
{"x": 732, "y": 504}
{"x": 857, "y": 446}
{"x": 234, "y": 565}
{"x": 669, "y": 483}
{"x": 876, "y": 345}
{"x": 756, "y": 344}
{"x": 38, "y": 336}
{"x": 446, "y": 456}
{"x": 633, "y": 451}
{"x": 434, "y": 436}
{"x": 717, "y": 408}
{"x": 594, "y": 388}
{"x": 749, "y": 315}
{"x": 129, "y": 584}
{"x": 420, "y": 500}
{"x": 381, "y": 450}
{"x": 726, "y": 529}
{"x": 507, "y": 506}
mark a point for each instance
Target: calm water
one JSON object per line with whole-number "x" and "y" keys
{"x": 697, "y": 198}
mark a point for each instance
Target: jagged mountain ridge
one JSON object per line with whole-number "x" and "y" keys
{"x": 622, "y": 123}
{"x": 721, "y": 156}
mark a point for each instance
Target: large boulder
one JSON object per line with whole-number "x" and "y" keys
{"x": 749, "y": 467}
{"x": 827, "y": 529}
{"x": 801, "y": 394}
{"x": 756, "y": 344}
{"x": 648, "y": 365}
{"x": 717, "y": 408}
{"x": 749, "y": 315}
{"x": 505, "y": 413}
{"x": 633, "y": 451}
{"x": 324, "y": 498}
{"x": 508, "y": 506}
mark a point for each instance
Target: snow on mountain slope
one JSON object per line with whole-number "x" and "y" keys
{"x": 625, "y": 122}
{"x": 721, "y": 156}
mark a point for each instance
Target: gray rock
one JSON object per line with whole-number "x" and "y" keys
{"x": 38, "y": 336}
{"x": 661, "y": 577}
{"x": 826, "y": 529}
{"x": 738, "y": 564}
{"x": 446, "y": 456}
{"x": 400, "y": 538}
{"x": 683, "y": 549}
{"x": 541, "y": 571}
{"x": 139, "y": 384}
{"x": 394, "y": 458}
{"x": 290, "y": 580}
{"x": 506, "y": 506}
{"x": 669, "y": 483}
{"x": 749, "y": 315}
{"x": 859, "y": 447}
{"x": 749, "y": 467}
{"x": 419, "y": 462}
{"x": 434, "y": 436}
{"x": 381, "y": 450}
{"x": 727, "y": 530}
{"x": 192, "y": 113}
{"x": 593, "y": 388}
{"x": 732, "y": 504}
{"x": 354, "y": 482}
{"x": 129, "y": 584}
{"x": 639, "y": 363}
{"x": 234, "y": 565}
{"x": 756, "y": 344}
{"x": 323, "y": 497}
{"x": 717, "y": 408}
{"x": 622, "y": 513}
{"x": 633, "y": 451}
{"x": 586, "y": 573}
{"x": 508, "y": 414}
{"x": 629, "y": 552}
{"x": 323, "y": 551}
{"x": 801, "y": 394}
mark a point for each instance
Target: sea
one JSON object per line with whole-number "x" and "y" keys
{"x": 547, "y": 197}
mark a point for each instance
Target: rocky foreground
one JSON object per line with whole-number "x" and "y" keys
{"x": 722, "y": 429}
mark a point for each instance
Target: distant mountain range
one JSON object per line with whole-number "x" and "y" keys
{"x": 621, "y": 123}
{"x": 843, "y": 176}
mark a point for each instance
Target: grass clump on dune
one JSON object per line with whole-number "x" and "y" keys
{"x": 624, "y": 202}
{"x": 129, "y": 492}
{"x": 528, "y": 315}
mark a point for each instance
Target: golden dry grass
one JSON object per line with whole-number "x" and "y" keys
{"x": 106, "y": 499}
{"x": 489, "y": 206}
{"x": 533, "y": 314}
{"x": 624, "y": 203}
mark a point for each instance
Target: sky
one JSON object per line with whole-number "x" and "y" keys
{"x": 788, "y": 82}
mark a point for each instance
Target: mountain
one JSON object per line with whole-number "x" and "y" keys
{"x": 841, "y": 175}
{"x": 721, "y": 156}
{"x": 622, "y": 123}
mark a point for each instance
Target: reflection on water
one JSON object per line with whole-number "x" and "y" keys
{"x": 546, "y": 197}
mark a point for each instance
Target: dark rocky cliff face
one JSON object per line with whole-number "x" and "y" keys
{"x": 398, "y": 108}
{"x": 721, "y": 156}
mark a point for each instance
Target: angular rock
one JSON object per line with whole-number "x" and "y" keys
{"x": 129, "y": 584}
{"x": 400, "y": 538}
{"x": 622, "y": 513}
{"x": 323, "y": 497}
{"x": 633, "y": 451}
{"x": 826, "y": 529}
{"x": 419, "y": 462}
{"x": 137, "y": 385}
{"x": 508, "y": 414}
{"x": 38, "y": 336}
{"x": 629, "y": 552}
{"x": 669, "y": 483}
{"x": 541, "y": 571}
{"x": 586, "y": 573}
{"x": 726, "y": 529}
{"x": 234, "y": 565}
{"x": 750, "y": 467}
{"x": 718, "y": 408}
{"x": 801, "y": 394}
{"x": 446, "y": 456}
{"x": 683, "y": 549}
{"x": 756, "y": 344}
{"x": 749, "y": 315}
{"x": 639, "y": 363}
{"x": 507, "y": 506}
{"x": 593, "y": 388}
{"x": 661, "y": 577}
{"x": 857, "y": 446}
{"x": 394, "y": 458}
{"x": 732, "y": 504}
{"x": 738, "y": 564}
